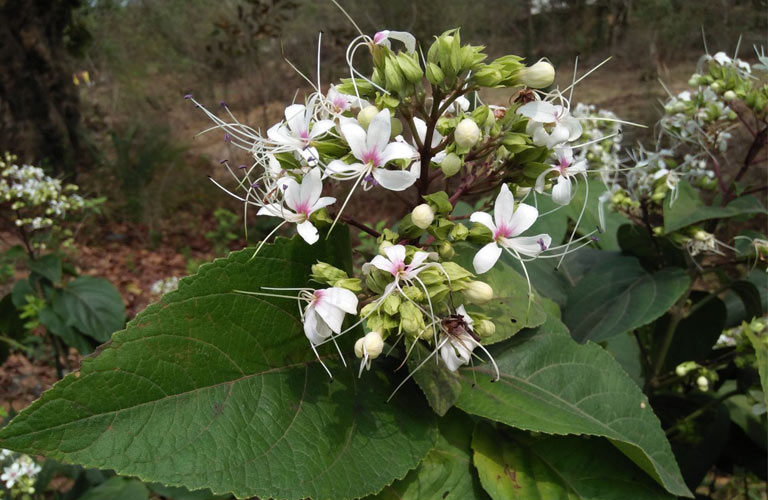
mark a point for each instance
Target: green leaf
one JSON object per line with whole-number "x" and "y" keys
{"x": 750, "y": 297}
{"x": 118, "y": 488}
{"x": 220, "y": 390}
{"x": 696, "y": 334}
{"x": 446, "y": 472}
{"x": 551, "y": 384}
{"x": 759, "y": 342}
{"x": 626, "y": 351}
{"x": 11, "y": 326}
{"x": 510, "y": 305}
{"x": 440, "y": 385}
{"x": 513, "y": 464}
{"x": 177, "y": 493}
{"x": 19, "y": 293}
{"x": 48, "y": 266}
{"x": 618, "y": 295}
{"x": 92, "y": 305}
{"x": 687, "y": 208}
{"x": 591, "y": 217}
{"x": 59, "y": 327}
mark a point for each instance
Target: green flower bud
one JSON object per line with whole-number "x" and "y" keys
{"x": 488, "y": 76}
{"x": 703, "y": 383}
{"x": 685, "y": 368}
{"x": 446, "y": 250}
{"x": 411, "y": 319}
{"x": 484, "y": 328}
{"x": 366, "y": 114}
{"x": 351, "y": 284}
{"x": 459, "y": 232}
{"x": 397, "y": 127}
{"x": 410, "y": 68}
{"x": 451, "y": 164}
{"x": 538, "y": 76}
{"x": 414, "y": 293}
{"x": 391, "y": 304}
{"x": 467, "y": 133}
{"x": 478, "y": 292}
{"x": 434, "y": 74}
{"x": 716, "y": 87}
{"x": 395, "y": 80}
{"x": 694, "y": 80}
{"x": 422, "y": 216}
{"x": 326, "y": 273}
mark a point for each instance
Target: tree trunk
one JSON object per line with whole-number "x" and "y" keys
{"x": 39, "y": 104}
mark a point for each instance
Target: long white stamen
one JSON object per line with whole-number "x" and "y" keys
{"x": 435, "y": 351}
{"x": 267, "y": 238}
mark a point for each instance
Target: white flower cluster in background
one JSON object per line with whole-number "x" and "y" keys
{"x": 165, "y": 285}
{"x": 603, "y": 138}
{"x": 18, "y": 474}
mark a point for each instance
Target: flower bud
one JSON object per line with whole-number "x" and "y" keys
{"x": 326, "y": 273}
{"x": 451, "y": 164}
{"x": 393, "y": 76}
{"x": 538, "y": 76}
{"x": 729, "y": 95}
{"x": 716, "y": 87}
{"x": 359, "y": 347}
{"x": 694, "y": 80}
{"x": 478, "y": 292}
{"x": 446, "y": 250}
{"x": 703, "y": 383}
{"x": 410, "y": 68}
{"x": 485, "y": 328}
{"x": 488, "y": 76}
{"x": 684, "y": 368}
{"x": 411, "y": 319}
{"x": 467, "y": 133}
{"x": 422, "y": 216}
{"x": 397, "y": 127}
{"x": 373, "y": 344}
{"x": 434, "y": 74}
{"x": 365, "y": 115}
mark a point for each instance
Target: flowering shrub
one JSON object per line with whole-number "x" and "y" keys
{"x": 18, "y": 475}
{"x": 240, "y": 380}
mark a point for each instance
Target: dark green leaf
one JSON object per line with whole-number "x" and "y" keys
{"x": 551, "y": 384}
{"x": 177, "y": 493}
{"x": 19, "y": 293}
{"x": 215, "y": 389}
{"x": 118, "y": 488}
{"x": 750, "y": 296}
{"x": 48, "y": 266}
{"x": 440, "y": 385}
{"x": 696, "y": 334}
{"x": 651, "y": 250}
{"x": 59, "y": 327}
{"x": 446, "y": 472}
{"x": 11, "y": 326}
{"x": 626, "y": 351}
{"x": 93, "y": 306}
{"x": 591, "y": 218}
{"x": 687, "y": 208}
{"x": 618, "y": 295}
{"x": 515, "y": 465}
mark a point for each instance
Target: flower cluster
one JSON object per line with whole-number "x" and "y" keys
{"x": 39, "y": 204}
{"x": 414, "y": 120}
{"x": 18, "y": 475}
{"x": 163, "y": 286}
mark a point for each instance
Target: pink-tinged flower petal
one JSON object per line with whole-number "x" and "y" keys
{"x": 579, "y": 167}
{"x": 484, "y": 219}
{"x": 355, "y": 137}
{"x": 315, "y": 328}
{"x": 418, "y": 259}
{"x": 295, "y": 117}
{"x": 395, "y": 253}
{"x": 272, "y": 210}
{"x": 522, "y": 219}
{"x": 339, "y": 167}
{"x": 379, "y": 131}
{"x": 280, "y": 134}
{"x": 320, "y": 127}
{"x": 486, "y": 257}
{"x": 382, "y": 263}
{"x": 311, "y": 187}
{"x": 394, "y": 180}
{"x": 322, "y": 203}
{"x": 561, "y": 191}
{"x": 332, "y": 315}
{"x": 342, "y": 298}
{"x": 504, "y": 207}
{"x": 397, "y": 151}
{"x": 406, "y": 38}
{"x": 457, "y": 351}
{"x": 559, "y": 135}
{"x": 308, "y": 232}
{"x": 292, "y": 194}
{"x": 529, "y": 245}
{"x": 538, "y": 111}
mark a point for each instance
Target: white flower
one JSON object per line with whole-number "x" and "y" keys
{"x": 437, "y": 138}
{"x": 11, "y": 474}
{"x": 549, "y": 124}
{"x": 339, "y": 103}
{"x": 456, "y": 349}
{"x": 298, "y": 130}
{"x": 325, "y": 312}
{"x": 394, "y": 263}
{"x": 383, "y": 37}
{"x": 566, "y": 168}
{"x": 4, "y": 454}
{"x": 302, "y": 200}
{"x": 507, "y": 223}
{"x": 461, "y": 104}
{"x": 373, "y": 150}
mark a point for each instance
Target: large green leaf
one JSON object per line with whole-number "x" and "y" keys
{"x": 48, "y": 266}
{"x": 510, "y": 304}
{"x": 118, "y": 488}
{"x": 696, "y": 334}
{"x": 513, "y": 464}
{"x": 215, "y": 389}
{"x": 687, "y": 208}
{"x": 618, "y": 295}
{"x": 551, "y": 384}
{"x": 440, "y": 385}
{"x": 591, "y": 218}
{"x": 92, "y": 305}
{"x": 446, "y": 472}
